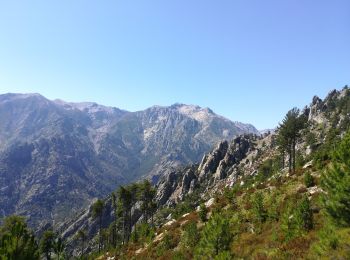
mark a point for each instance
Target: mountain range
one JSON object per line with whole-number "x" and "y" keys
{"x": 238, "y": 181}
{"x": 56, "y": 156}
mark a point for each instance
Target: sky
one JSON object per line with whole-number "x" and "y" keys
{"x": 248, "y": 60}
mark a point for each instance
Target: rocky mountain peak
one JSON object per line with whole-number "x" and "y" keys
{"x": 86, "y": 147}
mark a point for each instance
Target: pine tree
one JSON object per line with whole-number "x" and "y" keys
{"x": 304, "y": 215}
{"x": 203, "y": 211}
{"x": 125, "y": 202}
{"x": 17, "y": 240}
{"x": 134, "y": 197}
{"x": 258, "y": 207}
{"x": 47, "y": 243}
{"x": 59, "y": 247}
{"x": 147, "y": 195}
{"x": 97, "y": 212}
{"x": 216, "y": 237}
{"x": 191, "y": 235}
{"x": 297, "y": 218}
{"x": 115, "y": 222}
{"x": 283, "y": 146}
{"x": 336, "y": 183}
{"x": 289, "y": 133}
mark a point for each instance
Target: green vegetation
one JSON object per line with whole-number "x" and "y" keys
{"x": 258, "y": 208}
{"x": 127, "y": 198}
{"x": 336, "y": 183}
{"x": 59, "y": 247}
{"x": 191, "y": 235}
{"x": 47, "y": 243}
{"x": 97, "y": 213}
{"x": 216, "y": 238}
{"x": 309, "y": 180}
{"x": 203, "y": 212}
{"x": 17, "y": 240}
{"x": 290, "y": 133}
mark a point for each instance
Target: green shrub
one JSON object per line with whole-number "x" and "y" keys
{"x": 259, "y": 208}
{"x": 304, "y": 214}
{"x": 191, "y": 235}
{"x": 297, "y": 219}
{"x": 216, "y": 237}
{"x": 309, "y": 180}
{"x": 203, "y": 211}
{"x": 224, "y": 255}
{"x": 144, "y": 233}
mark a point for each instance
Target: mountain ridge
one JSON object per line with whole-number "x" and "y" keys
{"x": 72, "y": 153}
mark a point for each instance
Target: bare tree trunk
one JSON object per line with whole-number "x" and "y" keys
{"x": 294, "y": 164}
{"x": 124, "y": 228}
{"x": 99, "y": 240}
{"x": 290, "y": 159}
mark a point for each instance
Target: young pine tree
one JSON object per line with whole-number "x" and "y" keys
{"x": 304, "y": 215}
{"x": 336, "y": 183}
{"x": 216, "y": 237}
{"x": 203, "y": 211}
{"x": 47, "y": 243}
{"x": 259, "y": 208}
{"x": 191, "y": 235}
{"x": 59, "y": 247}
{"x": 309, "y": 180}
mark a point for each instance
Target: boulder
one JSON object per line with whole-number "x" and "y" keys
{"x": 209, "y": 203}
{"x": 308, "y": 165}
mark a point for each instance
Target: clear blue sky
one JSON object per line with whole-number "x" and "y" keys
{"x": 247, "y": 60}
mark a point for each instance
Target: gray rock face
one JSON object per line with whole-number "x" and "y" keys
{"x": 215, "y": 166}
{"x": 237, "y": 151}
{"x": 212, "y": 160}
{"x": 56, "y": 157}
{"x": 318, "y": 109}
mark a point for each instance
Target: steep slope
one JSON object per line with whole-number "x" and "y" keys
{"x": 56, "y": 157}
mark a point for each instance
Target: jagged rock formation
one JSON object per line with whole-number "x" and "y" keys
{"x": 56, "y": 157}
{"x": 215, "y": 166}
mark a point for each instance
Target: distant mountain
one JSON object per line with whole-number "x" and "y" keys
{"x": 55, "y": 156}
{"x": 267, "y": 131}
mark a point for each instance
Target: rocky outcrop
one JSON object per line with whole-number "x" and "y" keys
{"x": 236, "y": 152}
{"x": 319, "y": 109}
{"x": 215, "y": 166}
{"x": 211, "y": 161}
